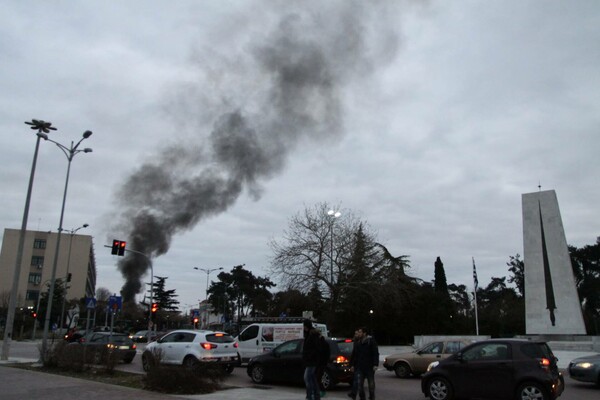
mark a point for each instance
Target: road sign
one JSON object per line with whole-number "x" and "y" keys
{"x": 90, "y": 303}
{"x": 114, "y": 303}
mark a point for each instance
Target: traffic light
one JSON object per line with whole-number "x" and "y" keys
{"x": 33, "y": 314}
{"x": 122, "y": 245}
{"x": 195, "y": 320}
{"x": 154, "y": 308}
{"x": 118, "y": 248}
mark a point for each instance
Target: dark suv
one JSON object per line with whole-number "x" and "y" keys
{"x": 496, "y": 369}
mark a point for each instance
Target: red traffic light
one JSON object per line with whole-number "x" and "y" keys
{"x": 154, "y": 307}
{"x": 118, "y": 248}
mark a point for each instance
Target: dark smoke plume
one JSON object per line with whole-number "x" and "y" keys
{"x": 303, "y": 68}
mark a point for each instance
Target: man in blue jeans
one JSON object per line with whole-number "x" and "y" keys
{"x": 310, "y": 357}
{"x": 364, "y": 362}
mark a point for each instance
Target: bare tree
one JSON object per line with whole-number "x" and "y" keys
{"x": 316, "y": 250}
{"x": 103, "y": 294}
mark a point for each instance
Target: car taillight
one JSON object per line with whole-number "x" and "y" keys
{"x": 134, "y": 346}
{"x": 340, "y": 360}
{"x": 348, "y": 341}
{"x": 235, "y": 345}
{"x": 545, "y": 363}
{"x": 208, "y": 346}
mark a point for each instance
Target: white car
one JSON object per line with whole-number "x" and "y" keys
{"x": 189, "y": 347}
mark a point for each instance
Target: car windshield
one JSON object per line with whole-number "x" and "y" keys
{"x": 537, "y": 350}
{"x": 345, "y": 347}
{"x": 218, "y": 337}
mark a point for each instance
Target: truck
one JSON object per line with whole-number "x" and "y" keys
{"x": 264, "y": 336}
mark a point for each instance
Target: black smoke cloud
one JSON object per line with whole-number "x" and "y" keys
{"x": 304, "y": 65}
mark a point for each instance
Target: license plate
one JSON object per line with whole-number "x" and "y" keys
{"x": 123, "y": 347}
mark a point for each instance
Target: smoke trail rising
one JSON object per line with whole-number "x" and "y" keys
{"x": 301, "y": 69}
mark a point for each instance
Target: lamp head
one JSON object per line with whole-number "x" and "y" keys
{"x": 85, "y": 225}
{"x": 87, "y": 150}
{"x": 87, "y": 134}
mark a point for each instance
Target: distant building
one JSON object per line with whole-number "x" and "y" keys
{"x": 76, "y": 253}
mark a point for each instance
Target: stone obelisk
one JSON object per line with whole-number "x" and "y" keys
{"x": 552, "y": 305}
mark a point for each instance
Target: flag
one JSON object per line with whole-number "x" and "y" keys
{"x": 475, "y": 281}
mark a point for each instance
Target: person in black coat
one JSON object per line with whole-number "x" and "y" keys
{"x": 364, "y": 362}
{"x": 310, "y": 358}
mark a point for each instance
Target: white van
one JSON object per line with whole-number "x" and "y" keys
{"x": 258, "y": 338}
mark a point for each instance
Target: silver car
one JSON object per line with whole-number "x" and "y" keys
{"x": 190, "y": 347}
{"x": 586, "y": 369}
{"x": 416, "y": 361}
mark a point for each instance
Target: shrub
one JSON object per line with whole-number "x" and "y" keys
{"x": 200, "y": 378}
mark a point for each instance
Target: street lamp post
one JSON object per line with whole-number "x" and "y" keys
{"x": 43, "y": 128}
{"x": 333, "y": 214}
{"x": 208, "y": 272}
{"x": 70, "y": 153}
{"x": 71, "y": 234}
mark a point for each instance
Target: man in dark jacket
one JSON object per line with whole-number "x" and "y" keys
{"x": 364, "y": 361}
{"x": 310, "y": 357}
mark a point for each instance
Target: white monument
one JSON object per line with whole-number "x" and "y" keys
{"x": 551, "y": 301}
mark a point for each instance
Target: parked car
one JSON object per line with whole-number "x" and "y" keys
{"x": 416, "y": 361}
{"x": 74, "y": 335}
{"x": 496, "y": 369}
{"x": 99, "y": 346}
{"x": 188, "y": 347}
{"x": 586, "y": 369}
{"x": 284, "y": 364}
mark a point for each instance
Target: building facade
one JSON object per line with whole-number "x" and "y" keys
{"x": 76, "y": 264}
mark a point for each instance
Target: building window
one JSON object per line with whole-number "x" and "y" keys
{"x": 35, "y": 278}
{"x": 37, "y": 261}
{"x": 32, "y": 295}
{"x": 39, "y": 244}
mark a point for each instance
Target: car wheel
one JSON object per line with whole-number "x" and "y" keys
{"x": 128, "y": 360}
{"x": 228, "y": 369}
{"x": 147, "y": 361}
{"x": 97, "y": 359}
{"x": 402, "y": 370}
{"x": 531, "y": 391}
{"x": 257, "y": 374}
{"x": 190, "y": 362}
{"x": 326, "y": 381}
{"x": 439, "y": 389}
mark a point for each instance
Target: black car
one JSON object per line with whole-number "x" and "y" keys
{"x": 496, "y": 369}
{"x": 101, "y": 346}
{"x": 284, "y": 364}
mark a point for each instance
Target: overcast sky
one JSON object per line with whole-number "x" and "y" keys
{"x": 430, "y": 122}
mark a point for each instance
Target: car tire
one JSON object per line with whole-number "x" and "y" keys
{"x": 440, "y": 389}
{"x": 128, "y": 360}
{"x": 97, "y": 357}
{"x": 257, "y": 374}
{"x": 531, "y": 391}
{"x": 326, "y": 381}
{"x": 147, "y": 361}
{"x": 190, "y": 362}
{"x": 228, "y": 369}
{"x": 402, "y": 370}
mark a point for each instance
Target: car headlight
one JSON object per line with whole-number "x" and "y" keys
{"x": 585, "y": 365}
{"x": 432, "y": 365}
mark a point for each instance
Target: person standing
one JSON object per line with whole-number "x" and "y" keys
{"x": 310, "y": 358}
{"x": 364, "y": 362}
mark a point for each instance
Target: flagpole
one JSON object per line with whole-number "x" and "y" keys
{"x": 475, "y": 284}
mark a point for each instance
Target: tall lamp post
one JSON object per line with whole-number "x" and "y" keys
{"x": 208, "y": 272}
{"x": 43, "y": 128}
{"x": 333, "y": 214}
{"x": 70, "y": 153}
{"x": 72, "y": 233}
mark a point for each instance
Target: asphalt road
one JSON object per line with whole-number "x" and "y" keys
{"x": 388, "y": 386}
